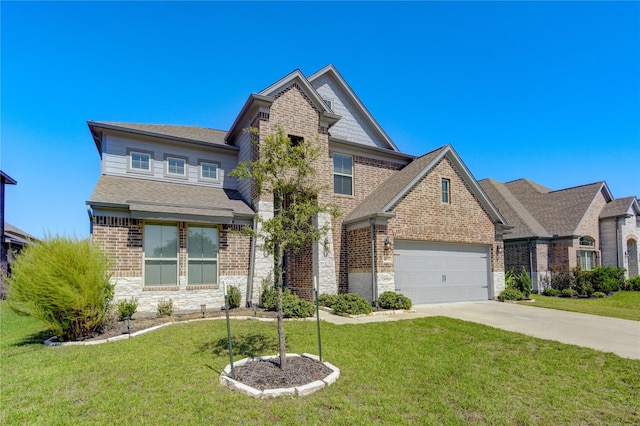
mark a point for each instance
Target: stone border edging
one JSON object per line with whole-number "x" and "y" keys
{"x": 372, "y": 314}
{"x": 302, "y": 390}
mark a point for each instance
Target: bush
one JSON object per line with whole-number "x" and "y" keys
{"x": 550, "y": 292}
{"x": 233, "y": 296}
{"x": 126, "y": 308}
{"x": 561, "y": 280}
{"x": 292, "y": 305}
{"x": 633, "y": 284}
{"x": 568, "y": 292}
{"x": 393, "y": 300}
{"x": 352, "y": 304}
{"x": 63, "y": 282}
{"x": 327, "y": 300}
{"x": 510, "y": 279}
{"x": 598, "y": 294}
{"x": 165, "y": 308}
{"x": 523, "y": 283}
{"x": 510, "y": 294}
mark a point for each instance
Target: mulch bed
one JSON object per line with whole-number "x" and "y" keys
{"x": 266, "y": 374}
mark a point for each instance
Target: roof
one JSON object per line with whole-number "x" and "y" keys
{"x": 13, "y": 235}
{"x": 384, "y": 198}
{"x": 194, "y": 134}
{"x": 537, "y": 211}
{"x": 6, "y": 179}
{"x": 621, "y": 207}
{"x": 150, "y": 199}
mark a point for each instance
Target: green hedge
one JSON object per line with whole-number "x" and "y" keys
{"x": 510, "y": 294}
{"x": 292, "y": 305}
{"x": 393, "y": 300}
{"x": 352, "y": 304}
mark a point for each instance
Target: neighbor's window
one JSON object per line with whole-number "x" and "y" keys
{"x": 175, "y": 166}
{"x": 160, "y": 254}
{"x": 446, "y": 191}
{"x": 342, "y": 174}
{"x": 208, "y": 171}
{"x": 140, "y": 161}
{"x": 202, "y": 252}
{"x": 587, "y": 260}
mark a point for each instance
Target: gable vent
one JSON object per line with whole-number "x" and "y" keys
{"x": 327, "y": 103}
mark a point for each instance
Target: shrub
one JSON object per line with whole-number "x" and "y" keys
{"x": 598, "y": 294}
{"x": 63, "y": 282}
{"x": 233, "y": 296}
{"x": 550, "y": 292}
{"x": 327, "y": 300}
{"x": 292, "y": 305}
{"x": 165, "y": 308}
{"x": 510, "y": 279}
{"x": 633, "y": 284}
{"x": 568, "y": 292}
{"x": 523, "y": 283}
{"x": 352, "y": 304}
{"x": 510, "y": 294}
{"x": 606, "y": 278}
{"x": 560, "y": 280}
{"x": 126, "y": 308}
{"x": 393, "y": 300}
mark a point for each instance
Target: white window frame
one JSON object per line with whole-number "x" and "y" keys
{"x": 445, "y": 193}
{"x": 145, "y": 258}
{"x": 344, "y": 174}
{"x": 168, "y": 171}
{"x": 201, "y": 169}
{"x": 588, "y": 260}
{"x": 131, "y": 168}
{"x": 204, "y": 259}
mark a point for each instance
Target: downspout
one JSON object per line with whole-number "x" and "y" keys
{"x": 530, "y": 247}
{"x": 252, "y": 263}
{"x": 617, "y": 244}
{"x": 374, "y": 280}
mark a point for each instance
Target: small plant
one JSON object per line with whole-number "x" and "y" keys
{"x": 352, "y": 304}
{"x": 523, "y": 283}
{"x": 327, "y": 300}
{"x": 165, "y": 308}
{"x": 553, "y": 292}
{"x": 292, "y": 305}
{"x": 598, "y": 295}
{"x": 393, "y": 300}
{"x": 633, "y": 284}
{"x": 510, "y": 279}
{"x": 510, "y": 294}
{"x": 233, "y": 296}
{"x": 568, "y": 292}
{"x": 126, "y": 308}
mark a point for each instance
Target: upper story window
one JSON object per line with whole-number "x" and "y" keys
{"x": 176, "y": 166}
{"x": 342, "y": 174}
{"x": 587, "y": 242}
{"x": 446, "y": 191}
{"x": 140, "y": 161}
{"x": 209, "y": 171}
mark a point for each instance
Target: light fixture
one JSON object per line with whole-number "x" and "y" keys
{"x": 203, "y": 309}
{"x": 127, "y": 322}
{"x": 498, "y": 248}
{"x": 387, "y": 243}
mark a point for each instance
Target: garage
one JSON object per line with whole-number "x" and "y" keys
{"x": 430, "y": 272}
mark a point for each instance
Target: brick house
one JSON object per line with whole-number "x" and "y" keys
{"x": 555, "y": 231}
{"x": 165, "y": 209}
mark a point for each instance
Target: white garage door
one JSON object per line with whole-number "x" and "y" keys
{"x": 437, "y": 272}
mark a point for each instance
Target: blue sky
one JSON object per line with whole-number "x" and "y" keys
{"x": 546, "y": 90}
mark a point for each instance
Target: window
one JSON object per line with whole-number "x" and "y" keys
{"x": 446, "y": 191}
{"x": 175, "y": 166}
{"x": 202, "y": 252}
{"x": 295, "y": 140}
{"x": 342, "y": 174}
{"x": 160, "y": 254}
{"x": 208, "y": 171}
{"x": 140, "y": 161}
{"x": 587, "y": 260}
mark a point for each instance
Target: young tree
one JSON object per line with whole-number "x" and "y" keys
{"x": 286, "y": 171}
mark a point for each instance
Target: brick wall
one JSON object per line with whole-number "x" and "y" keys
{"x": 234, "y": 251}
{"x": 121, "y": 239}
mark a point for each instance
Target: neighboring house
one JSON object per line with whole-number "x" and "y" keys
{"x": 166, "y": 210}
{"x": 15, "y": 239}
{"x": 5, "y": 179}
{"x": 555, "y": 231}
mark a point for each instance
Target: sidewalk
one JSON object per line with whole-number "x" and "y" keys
{"x": 622, "y": 337}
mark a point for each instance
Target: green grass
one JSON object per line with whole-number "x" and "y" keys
{"x": 423, "y": 371}
{"x": 623, "y": 304}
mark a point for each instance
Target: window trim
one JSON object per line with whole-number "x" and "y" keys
{"x": 216, "y": 259}
{"x": 208, "y": 179}
{"x": 167, "y": 173}
{"x": 131, "y": 169}
{"x": 154, "y": 287}
{"x": 445, "y": 194}
{"x": 333, "y": 155}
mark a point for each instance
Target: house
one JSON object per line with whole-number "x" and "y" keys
{"x": 555, "y": 231}
{"x": 5, "y": 179}
{"x": 165, "y": 209}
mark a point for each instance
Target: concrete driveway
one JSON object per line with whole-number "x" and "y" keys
{"x": 622, "y": 337}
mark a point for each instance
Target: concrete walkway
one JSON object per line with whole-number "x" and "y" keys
{"x": 622, "y": 337}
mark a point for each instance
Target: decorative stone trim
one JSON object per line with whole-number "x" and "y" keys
{"x": 203, "y": 287}
{"x": 302, "y": 390}
{"x": 161, "y": 288}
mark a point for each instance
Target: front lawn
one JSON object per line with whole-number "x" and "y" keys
{"x": 623, "y": 304}
{"x": 424, "y": 371}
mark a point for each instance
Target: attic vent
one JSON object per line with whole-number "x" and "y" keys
{"x": 327, "y": 103}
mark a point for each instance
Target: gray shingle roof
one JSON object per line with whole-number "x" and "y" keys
{"x": 619, "y": 207}
{"x": 16, "y": 235}
{"x": 195, "y": 133}
{"x": 155, "y": 198}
